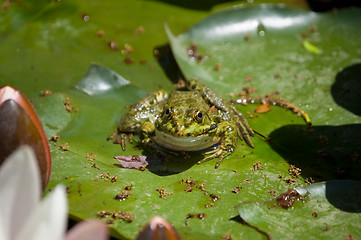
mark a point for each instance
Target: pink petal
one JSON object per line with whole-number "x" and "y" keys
{"x": 88, "y": 230}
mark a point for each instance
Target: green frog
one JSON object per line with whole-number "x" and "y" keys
{"x": 194, "y": 120}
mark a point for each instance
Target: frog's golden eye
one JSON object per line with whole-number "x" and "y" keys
{"x": 198, "y": 116}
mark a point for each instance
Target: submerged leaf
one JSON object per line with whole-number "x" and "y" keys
{"x": 99, "y": 79}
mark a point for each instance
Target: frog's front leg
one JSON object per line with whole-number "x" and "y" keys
{"x": 228, "y": 134}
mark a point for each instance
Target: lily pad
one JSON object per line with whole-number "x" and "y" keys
{"x": 277, "y": 61}
{"x": 262, "y": 47}
{"x": 329, "y": 210}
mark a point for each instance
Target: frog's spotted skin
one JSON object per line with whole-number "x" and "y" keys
{"x": 186, "y": 121}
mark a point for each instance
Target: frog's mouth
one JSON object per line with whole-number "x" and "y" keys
{"x": 184, "y": 143}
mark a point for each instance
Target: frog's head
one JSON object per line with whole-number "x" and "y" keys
{"x": 186, "y": 126}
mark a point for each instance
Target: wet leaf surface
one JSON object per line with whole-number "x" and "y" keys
{"x": 59, "y": 55}
{"x": 329, "y": 210}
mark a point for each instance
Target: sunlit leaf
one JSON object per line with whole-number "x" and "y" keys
{"x": 58, "y": 51}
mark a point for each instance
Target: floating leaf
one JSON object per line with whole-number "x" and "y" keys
{"x": 330, "y": 210}
{"x": 99, "y": 80}
{"x": 55, "y": 53}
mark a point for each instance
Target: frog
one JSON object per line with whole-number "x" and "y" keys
{"x": 191, "y": 120}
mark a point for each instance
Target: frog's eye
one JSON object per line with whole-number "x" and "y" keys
{"x": 198, "y": 116}
{"x": 167, "y": 113}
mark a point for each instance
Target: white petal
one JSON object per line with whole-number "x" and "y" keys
{"x": 49, "y": 219}
{"x": 88, "y": 230}
{"x": 19, "y": 189}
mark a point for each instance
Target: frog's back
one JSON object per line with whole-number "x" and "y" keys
{"x": 186, "y": 99}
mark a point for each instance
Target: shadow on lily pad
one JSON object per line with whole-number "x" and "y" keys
{"x": 344, "y": 195}
{"x": 346, "y": 90}
{"x": 322, "y": 152}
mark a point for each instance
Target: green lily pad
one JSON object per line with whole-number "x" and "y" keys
{"x": 83, "y": 158}
{"x": 328, "y": 210}
{"x": 263, "y": 47}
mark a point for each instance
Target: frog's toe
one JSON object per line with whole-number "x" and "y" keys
{"x": 245, "y": 132}
{"x": 122, "y": 139}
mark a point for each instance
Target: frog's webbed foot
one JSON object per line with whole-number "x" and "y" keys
{"x": 219, "y": 153}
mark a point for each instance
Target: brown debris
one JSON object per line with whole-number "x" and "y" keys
{"x": 257, "y": 166}
{"x": 196, "y": 215}
{"x": 107, "y": 177}
{"x": 217, "y": 67}
{"x": 214, "y": 197}
{"x": 94, "y": 165}
{"x": 193, "y": 53}
{"x": 249, "y": 79}
{"x": 126, "y": 216}
{"x": 104, "y": 213}
{"x": 90, "y": 156}
{"x": 45, "y": 92}
{"x": 349, "y": 237}
{"x": 123, "y": 195}
{"x": 247, "y": 180}
{"x": 269, "y": 98}
{"x": 201, "y": 187}
{"x": 109, "y": 221}
{"x": 114, "y": 178}
{"x": 139, "y": 30}
{"x": 113, "y": 45}
{"x": 100, "y": 33}
{"x": 190, "y": 186}
{"x": 210, "y": 204}
{"x": 326, "y": 228}
{"x": 128, "y": 60}
{"x": 133, "y": 161}
{"x": 64, "y": 147}
{"x": 294, "y": 171}
{"x": 264, "y": 108}
{"x": 127, "y": 49}
{"x": 54, "y": 138}
{"x": 128, "y": 187}
{"x": 227, "y": 236}
{"x": 163, "y": 193}
{"x": 68, "y": 106}
{"x": 289, "y": 181}
{"x": 237, "y": 189}
{"x": 272, "y": 192}
{"x": 309, "y": 180}
{"x": 288, "y": 198}
{"x": 314, "y": 213}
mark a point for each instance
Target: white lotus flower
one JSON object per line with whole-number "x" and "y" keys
{"x": 23, "y": 215}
